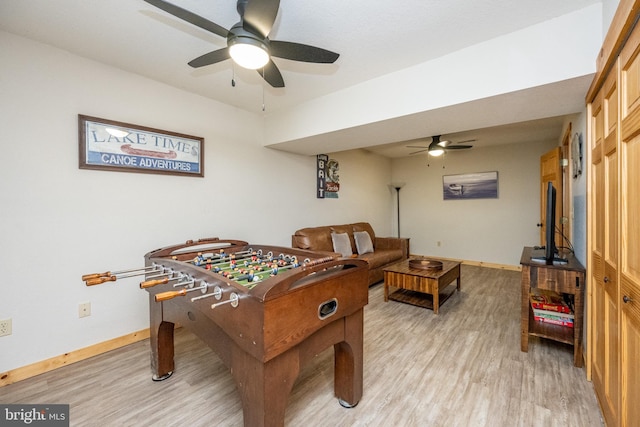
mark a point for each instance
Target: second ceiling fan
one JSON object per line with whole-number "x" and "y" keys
{"x": 437, "y": 147}
{"x": 251, "y": 36}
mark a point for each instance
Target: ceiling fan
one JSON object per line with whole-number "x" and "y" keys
{"x": 437, "y": 147}
{"x": 250, "y": 36}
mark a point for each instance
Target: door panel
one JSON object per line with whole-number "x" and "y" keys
{"x": 551, "y": 170}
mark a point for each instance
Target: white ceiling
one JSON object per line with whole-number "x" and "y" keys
{"x": 373, "y": 38}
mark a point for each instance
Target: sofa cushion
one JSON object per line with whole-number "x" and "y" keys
{"x": 365, "y": 226}
{"x": 364, "y": 245}
{"x": 341, "y": 244}
{"x": 381, "y": 257}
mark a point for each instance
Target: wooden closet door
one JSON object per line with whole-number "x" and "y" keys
{"x": 629, "y": 299}
{"x": 604, "y": 155}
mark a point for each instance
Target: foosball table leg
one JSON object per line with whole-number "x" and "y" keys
{"x": 348, "y": 371}
{"x": 265, "y": 387}
{"x": 161, "y": 340}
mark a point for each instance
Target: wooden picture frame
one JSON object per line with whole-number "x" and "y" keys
{"x": 116, "y": 146}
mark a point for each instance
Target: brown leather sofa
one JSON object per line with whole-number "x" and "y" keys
{"x": 385, "y": 250}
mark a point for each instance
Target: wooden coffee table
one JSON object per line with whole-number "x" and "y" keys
{"x": 424, "y": 288}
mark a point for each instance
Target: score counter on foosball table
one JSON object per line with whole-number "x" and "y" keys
{"x": 264, "y": 310}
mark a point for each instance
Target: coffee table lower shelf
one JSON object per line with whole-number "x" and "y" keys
{"x": 420, "y": 299}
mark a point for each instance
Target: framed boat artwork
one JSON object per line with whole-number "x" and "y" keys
{"x": 117, "y": 146}
{"x": 479, "y": 185}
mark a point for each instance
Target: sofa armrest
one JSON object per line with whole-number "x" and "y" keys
{"x": 393, "y": 243}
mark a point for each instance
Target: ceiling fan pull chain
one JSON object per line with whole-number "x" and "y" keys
{"x": 263, "y": 107}
{"x": 233, "y": 75}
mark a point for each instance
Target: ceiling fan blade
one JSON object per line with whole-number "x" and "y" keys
{"x": 210, "y": 58}
{"x": 302, "y": 52}
{"x": 458, "y": 147}
{"x": 419, "y": 151}
{"x": 417, "y": 146}
{"x": 190, "y": 17}
{"x": 258, "y": 16}
{"x": 462, "y": 142}
{"x": 271, "y": 74}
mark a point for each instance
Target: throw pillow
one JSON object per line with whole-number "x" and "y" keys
{"x": 363, "y": 242}
{"x": 341, "y": 244}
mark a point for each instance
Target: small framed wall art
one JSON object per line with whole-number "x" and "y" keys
{"x": 117, "y": 146}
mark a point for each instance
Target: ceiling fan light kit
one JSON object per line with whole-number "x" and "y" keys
{"x": 248, "y": 52}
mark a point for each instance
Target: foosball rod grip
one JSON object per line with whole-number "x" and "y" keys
{"x": 151, "y": 283}
{"x": 95, "y": 276}
{"x": 164, "y": 296}
{"x": 99, "y": 280}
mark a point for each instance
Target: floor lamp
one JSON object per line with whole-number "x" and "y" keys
{"x": 397, "y": 186}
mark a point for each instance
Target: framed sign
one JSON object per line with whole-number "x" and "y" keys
{"x": 116, "y": 146}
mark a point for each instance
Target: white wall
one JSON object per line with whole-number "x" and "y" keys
{"x": 484, "y": 230}
{"x": 555, "y": 50}
{"x": 364, "y": 182}
{"x": 608, "y": 11}
{"x": 58, "y": 222}
{"x": 579, "y": 194}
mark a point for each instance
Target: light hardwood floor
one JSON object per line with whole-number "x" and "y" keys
{"x": 462, "y": 367}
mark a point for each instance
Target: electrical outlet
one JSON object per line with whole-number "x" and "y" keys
{"x": 5, "y": 327}
{"x": 84, "y": 309}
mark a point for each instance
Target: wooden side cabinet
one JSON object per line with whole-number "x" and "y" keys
{"x": 566, "y": 279}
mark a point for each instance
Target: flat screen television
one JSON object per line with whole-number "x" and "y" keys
{"x": 550, "y": 249}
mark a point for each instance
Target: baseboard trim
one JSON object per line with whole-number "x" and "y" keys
{"x": 493, "y": 265}
{"x": 47, "y": 365}
{"x": 477, "y": 263}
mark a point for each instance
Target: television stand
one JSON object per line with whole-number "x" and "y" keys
{"x": 568, "y": 278}
{"x": 543, "y": 260}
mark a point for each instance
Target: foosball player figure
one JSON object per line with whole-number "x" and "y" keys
{"x": 199, "y": 259}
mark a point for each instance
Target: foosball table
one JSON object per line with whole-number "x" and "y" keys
{"x": 264, "y": 310}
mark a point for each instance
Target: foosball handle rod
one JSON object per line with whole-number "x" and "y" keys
{"x": 99, "y": 280}
{"x": 234, "y": 299}
{"x": 116, "y": 273}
